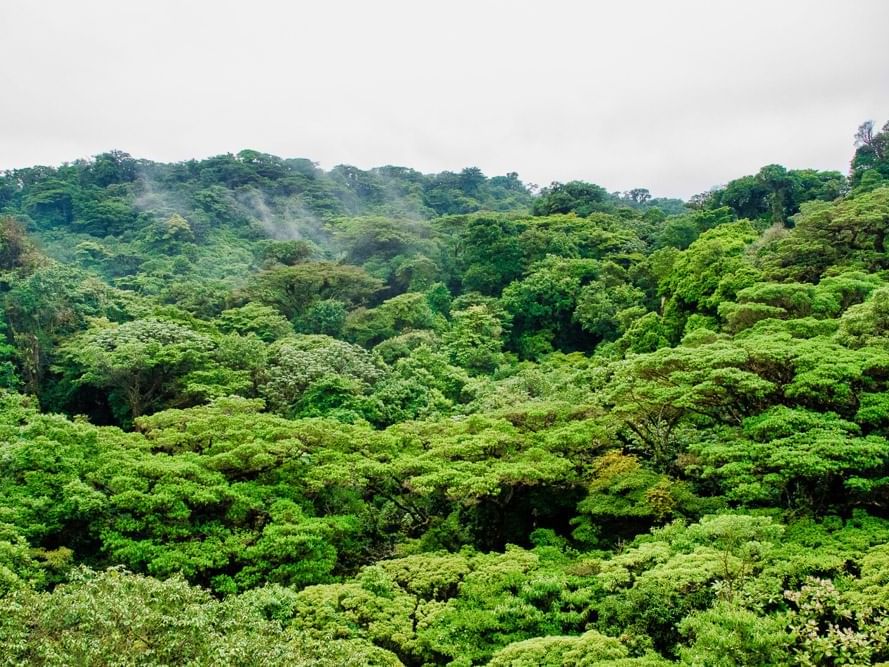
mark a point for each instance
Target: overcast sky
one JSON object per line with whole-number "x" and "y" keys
{"x": 675, "y": 96}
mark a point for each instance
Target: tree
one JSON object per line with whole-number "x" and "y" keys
{"x": 51, "y": 202}
{"x": 293, "y": 289}
{"x": 776, "y": 193}
{"x": 713, "y": 268}
{"x": 402, "y": 313}
{"x": 542, "y": 304}
{"x": 327, "y": 317}
{"x": 779, "y": 185}
{"x": 170, "y": 235}
{"x": 589, "y": 649}
{"x": 140, "y": 362}
{"x": 797, "y": 458}
{"x": 600, "y": 306}
{"x": 867, "y": 323}
{"x": 474, "y": 339}
{"x": 680, "y": 231}
{"x": 16, "y": 250}
{"x": 287, "y": 253}
{"x": 653, "y": 393}
{"x": 8, "y": 376}
{"x": 638, "y": 196}
{"x": 299, "y": 362}
{"x": 264, "y": 321}
{"x": 730, "y": 635}
{"x": 848, "y": 234}
{"x": 572, "y": 197}
{"x": 48, "y": 304}
{"x": 871, "y": 152}
{"x": 116, "y": 617}
{"x": 488, "y": 253}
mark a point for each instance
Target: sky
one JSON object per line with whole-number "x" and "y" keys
{"x": 675, "y": 96}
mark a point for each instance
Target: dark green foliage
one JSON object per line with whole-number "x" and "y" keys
{"x": 775, "y": 193}
{"x": 293, "y": 289}
{"x": 870, "y": 165}
{"x": 573, "y": 197}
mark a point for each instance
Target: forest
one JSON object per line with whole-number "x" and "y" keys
{"x": 255, "y": 412}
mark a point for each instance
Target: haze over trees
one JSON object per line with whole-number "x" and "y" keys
{"x": 257, "y": 413}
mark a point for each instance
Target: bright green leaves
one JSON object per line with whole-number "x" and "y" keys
{"x": 850, "y": 234}
{"x": 682, "y": 230}
{"x": 795, "y": 457}
{"x": 254, "y": 318}
{"x": 168, "y": 517}
{"x": 301, "y": 363}
{"x": 831, "y": 377}
{"x": 293, "y": 549}
{"x": 867, "y": 323}
{"x": 139, "y": 363}
{"x": 652, "y": 394}
{"x": 732, "y": 636}
{"x": 332, "y": 415}
{"x": 587, "y": 650}
{"x": 479, "y": 459}
{"x": 797, "y": 300}
{"x": 422, "y": 384}
{"x": 714, "y": 268}
{"x": 18, "y": 568}
{"x": 44, "y": 463}
{"x": 124, "y": 619}
{"x": 474, "y": 340}
{"x": 623, "y": 493}
{"x": 403, "y": 313}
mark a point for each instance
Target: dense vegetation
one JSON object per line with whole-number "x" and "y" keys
{"x": 254, "y": 412}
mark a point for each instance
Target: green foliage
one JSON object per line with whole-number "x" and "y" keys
{"x": 293, "y": 289}
{"x": 682, "y": 230}
{"x": 850, "y": 234}
{"x": 327, "y": 317}
{"x": 776, "y": 193}
{"x": 573, "y": 197}
{"x": 377, "y": 417}
{"x": 47, "y": 304}
{"x": 18, "y": 568}
{"x": 16, "y": 250}
{"x": 403, "y": 313}
{"x": 714, "y": 268}
{"x": 139, "y": 363}
{"x": 727, "y": 635}
{"x": 543, "y": 303}
{"x": 871, "y": 158}
{"x": 253, "y": 318}
{"x": 796, "y": 457}
{"x": 589, "y": 649}
{"x": 123, "y": 619}
{"x": 474, "y": 340}
{"x": 488, "y": 253}
{"x": 299, "y": 362}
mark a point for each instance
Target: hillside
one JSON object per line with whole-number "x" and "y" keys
{"x": 259, "y": 413}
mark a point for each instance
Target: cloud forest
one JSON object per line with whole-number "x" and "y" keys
{"x": 255, "y": 412}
